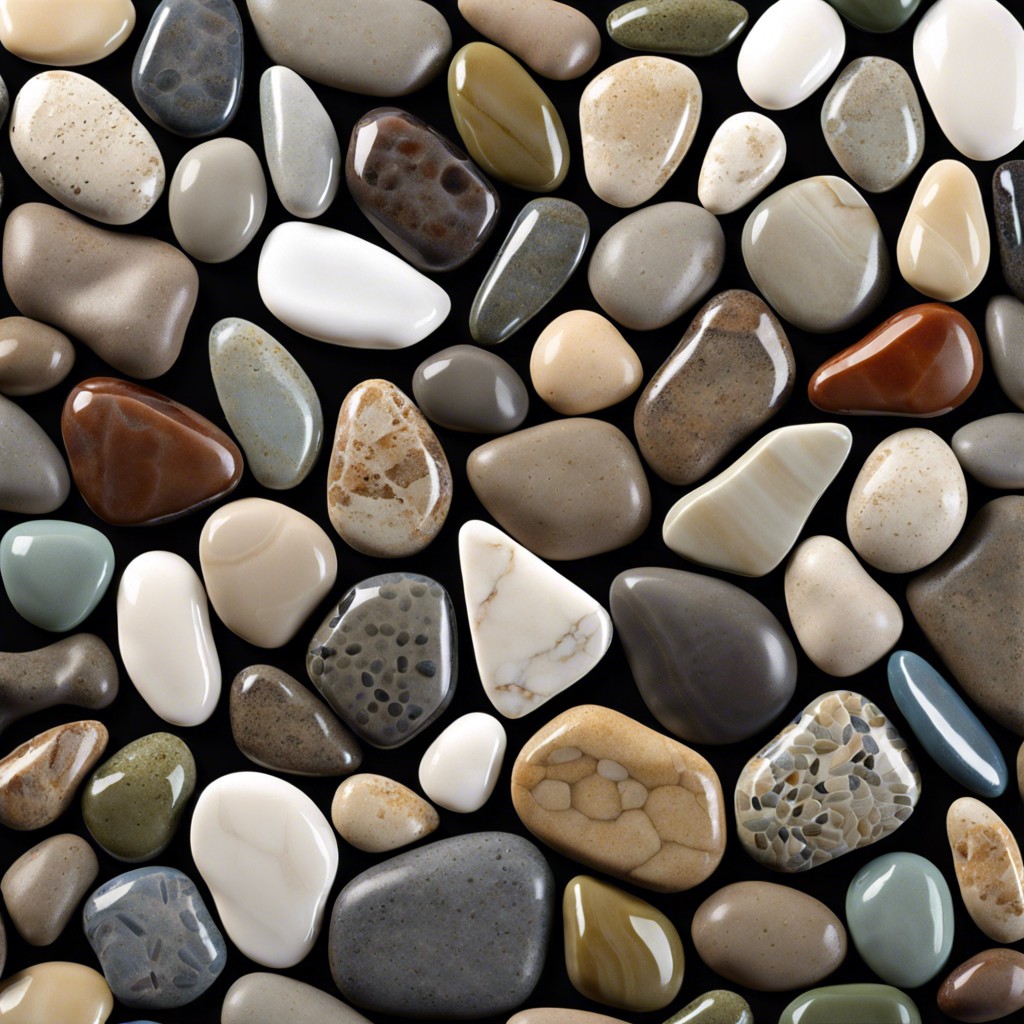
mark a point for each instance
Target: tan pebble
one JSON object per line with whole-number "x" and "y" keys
{"x": 64, "y": 33}
{"x": 549, "y": 1015}
{"x": 376, "y": 814}
{"x": 57, "y": 992}
{"x": 33, "y": 357}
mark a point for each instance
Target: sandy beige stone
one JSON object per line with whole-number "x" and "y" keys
{"x": 376, "y": 814}
{"x": 33, "y": 357}
{"x": 550, "y": 1015}
{"x": 64, "y": 33}
{"x": 55, "y": 991}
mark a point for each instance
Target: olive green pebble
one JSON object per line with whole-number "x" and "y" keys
{"x": 852, "y": 1004}
{"x": 691, "y": 28}
{"x": 876, "y": 15}
{"x": 719, "y": 1006}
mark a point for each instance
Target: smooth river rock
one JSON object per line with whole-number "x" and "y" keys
{"x": 33, "y": 477}
{"x": 56, "y": 991}
{"x": 33, "y": 356}
{"x": 552, "y": 1015}
{"x": 376, "y": 814}
{"x": 852, "y": 1004}
{"x": 65, "y": 33}
{"x": 876, "y": 15}
{"x": 988, "y": 986}
{"x": 691, "y": 28}
{"x": 460, "y": 768}
{"x": 263, "y": 998}
{"x": 1004, "y": 331}
{"x": 719, "y": 1006}
{"x": 744, "y": 157}
{"x": 608, "y": 792}
{"x": 992, "y": 450}
{"x": 1008, "y": 207}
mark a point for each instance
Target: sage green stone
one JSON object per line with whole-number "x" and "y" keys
{"x": 133, "y": 802}
{"x": 719, "y": 1006}
{"x": 876, "y": 15}
{"x": 862, "y": 1003}
{"x": 692, "y": 28}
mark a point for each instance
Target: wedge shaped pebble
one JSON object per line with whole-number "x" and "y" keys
{"x": 743, "y": 158}
{"x": 33, "y": 476}
{"x": 460, "y": 768}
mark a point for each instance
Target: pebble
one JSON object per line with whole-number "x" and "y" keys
{"x": 112, "y": 426}
{"x": 126, "y": 297}
{"x": 731, "y": 372}
{"x": 719, "y": 1006}
{"x": 839, "y": 777}
{"x": 876, "y": 15}
{"x": 42, "y": 888}
{"x": 375, "y": 47}
{"x": 464, "y": 387}
{"x": 55, "y": 573}
{"x": 619, "y": 950}
{"x": 49, "y": 32}
{"x": 269, "y": 402}
{"x": 421, "y": 193}
{"x": 268, "y": 856}
{"x": 133, "y": 803}
{"x": 33, "y": 477}
{"x": 506, "y": 121}
{"x": 217, "y": 198}
{"x": 768, "y": 937}
{"x": 988, "y": 986}
{"x": 376, "y": 814}
{"x": 263, "y": 998}
{"x": 38, "y": 779}
{"x": 992, "y": 450}
{"x": 691, "y": 28}
{"x": 534, "y": 631}
{"x": 922, "y": 361}
{"x": 339, "y": 288}
{"x": 55, "y": 991}
{"x": 33, "y": 356}
{"x": 278, "y": 724}
{"x": 608, "y": 792}
{"x": 656, "y": 263}
{"x": 815, "y": 250}
{"x": 988, "y": 867}
{"x": 364, "y": 643}
{"x": 300, "y": 144}
{"x": 570, "y": 488}
{"x": 789, "y": 52}
{"x": 744, "y": 157}
{"x": 976, "y": 589}
{"x": 1004, "y": 327}
{"x": 945, "y": 726}
{"x": 265, "y": 567}
{"x": 969, "y": 58}
{"x": 542, "y": 250}
{"x": 900, "y": 914}
{"x": 551, "y": 1015}
{"x": 165, "y": 640}
{"x": 78, "y": 670}
{"x": 711, "y": 662}
{"x": 473, "y": 912}
{"x": 637, "y": 120}
{"x": 873, "y": 123}
{"x": 157, "y": 944}
{"x": 555, "y": 40}
{"x": 861, "y": 1001}
{"x": 83, "y": 146}
{"x": 1007, "y": 186}
{"x": 460, "y": 768}
{"x": 746, "y": 519}
{"x": 382, "y": 436}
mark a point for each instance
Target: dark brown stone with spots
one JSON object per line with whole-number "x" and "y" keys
{"x": 420, "y": 192}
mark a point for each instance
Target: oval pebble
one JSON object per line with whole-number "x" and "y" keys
{"x": 691, "y": 28}
{"x": 55, "y": 991}
{"x": 375, "y": 814}
{"x": 881, "y": 1004}
{"x": 876, "y": 15}
{"x": 988, "y": 986}
{"x": 460, "y": 768}
{"x": 719, "y": 1006}
{"x": 263, "y": 998}
{"x": 744, "y": 157}
{"x": 1008, "y": 208}
{"x": 992, "y": 450}
{"x": 33, "y": 356}
{"x": 33, "y": 477}
{"x": 63, "y": 34}
{"x": 1004, "y": 327}
{"x": 551, "y": 1015}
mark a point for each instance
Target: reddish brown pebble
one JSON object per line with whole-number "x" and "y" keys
{"x": 924, "y": 361}
{"x": 140, "y": 458}
{"x": 989, "y": 986}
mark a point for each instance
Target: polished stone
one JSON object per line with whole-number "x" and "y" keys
{"x": 719, "y": 1006}
{"x": 376, "y": 814}
{"x": 852, "y": 1004}
{"x": 1004, "y": 334}
{"x": 876, "y": 15}
{"x": 56, "y": 991}
{"x": 744, "y": 157}
{"x": 988, "y": 986}
{"x": 552, "y": 1015}
{"x": 33, "y": 477}
{"x": 33, "y": 356}
{"x": 64, "y": 33}
{"x": 1008, "y": 208}
{"x": 690, "y": 28}
{"x": 460, "y": 768}
{"x": 263, "y": 998}
{"x": 992, "y": 450}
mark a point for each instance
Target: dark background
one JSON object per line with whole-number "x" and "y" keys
{"x": 230, "y": 290}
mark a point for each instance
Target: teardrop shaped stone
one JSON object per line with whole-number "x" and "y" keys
{"x": 881, "y": 1004}
{"x": 876, "y": 15}
{"x": 33, "y": 356}
{"x": 1004, "y": 337}
{"x": 744, "y": 157}
{"x": 1008, "y": 207}
{"x": 988, "y": 986}
{"x": 691, "y": 28}
{"x": 376, "y": 814}
{"x": 33, "y": 477}
{"x": 992, "y": 450}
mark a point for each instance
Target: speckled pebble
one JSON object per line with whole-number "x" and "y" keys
{"x": 719, "y": 1006}
{"x": 375, "y": 814}
{"x": 692, "y": 28}
{"x": 744, "y": 157}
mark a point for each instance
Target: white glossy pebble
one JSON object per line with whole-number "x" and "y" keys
{"x": 744, "y": 157}
{"x": 338, "y": 288}
{"x": 269, "y": 857}
{"x": 460, "y": 768}
{"x": 163, "y": 632}
{"x": 791, "y": 50}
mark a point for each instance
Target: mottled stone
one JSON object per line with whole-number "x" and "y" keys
{"x": 33, "y": 356}
{"x": 543, "y": 248}
{"x": 33, "y": 477}
{"x": 719, "y": 1006}
{"x": 1004, "y": 332}
{"x": 988, "y": 986}
{"x": 376, "y": 814}
{"x": 460, "y": 768}
{"x": 1008, "y": 207}
{"x": 616, "y": 796}
{"x": 744, "y": 157}
{"x": 691, "y": 28}
{"x": 876, "y": 15}
{"x": 64, "y": 33}
{"x": 56, "y": 991}
{"x": 838, "y": 1004}
{"x": 837, "y": 778}
{"x": 270, "y": 998}
{"x": 992, "y": 450}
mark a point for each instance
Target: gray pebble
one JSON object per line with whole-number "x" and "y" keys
{"x": 1004, "y": 332}
{"x": 33, "y": 477}
{"x": 992, "y": 450}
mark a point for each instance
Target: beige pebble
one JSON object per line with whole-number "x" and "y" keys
{"x": 744, "y": 157}
{"x": 64, "y": 33}
{"x": 33, "y": 357}
{"x": 550, "y": 1015}
{"x": 57, "y": 992}
{"x": 376, "y": 814}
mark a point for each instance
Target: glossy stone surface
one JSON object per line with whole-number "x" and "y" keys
{"x": 747, "y": 518}
{"x": 922, "y": 361}
{"x": 1004, "y": 327}
{"x": 792, "y": 251}
{"x": 389, "y": 487}
{"x": 269, "y": 402}
{"x": 33, "y": 356}
{"x": 460, "y": 768}
{"x": 68, "y": 992}
{"x": 421, "y": 193}
{"x": 837, "y": 778}
{"x": 768, "y": 937}
{"x": 619, "y": 950}
{"x": 464, "y": 956}
{"x": 376, "y": 814}
{"x": 278, "y": 724}
{"x": 732, "y": 371}
{"x": 988, "y": 986}
{"x": 653, "y": 265}
{"x": 711, "y": 662}
{"x": 133, "y": 803}
{"x": 126, "y": 297}
{"x": 551, "y": 1015}
{"x": 744, "y": 157}
{"x": 157, "y": 944}
{"x": 992, "y": 450}
{"x": 567, "y": 489}
{"x": 608, "y": 792}
{"x": 399, "y": 630}
{"x": 55, "y": 573}
{"x": 263, "y": 998}
{"x": 719, "y": 1006}
{"x": 542, "y": 249}
{"x": 876, "y": 15}
{"x": 64, "y": 33}
{"x": 691, "y": 28}
{"x": 873, "y": 123}
{"x": 187, "y": 74}
{"x": 33, "y": 477}
{"x": 1008, "y": 206}
{"x": 849, "y": 1004}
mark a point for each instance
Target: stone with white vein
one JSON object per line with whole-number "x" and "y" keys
{"x": 460, "y": 768}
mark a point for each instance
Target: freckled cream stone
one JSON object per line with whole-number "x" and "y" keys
{"x": 376, "y": 814}
{"x": 55, "y": 991}
{"x": 744, "y": 157}
{"x": 64, "y": 33}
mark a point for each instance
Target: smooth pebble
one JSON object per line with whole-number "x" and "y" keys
{"x": 33, "y": 477}
{"x": 744, "y": 157}
{"x": 64, "y": 33}
{"x": 988, "y": 986}
{"x": 1008, "y": 208}
{"x": 851, "y": 1004}
{"x": 376, "y": 814}
{"x": 55, "y": 991}
{"x": 33, "y": 356}
{"x": 1004, "y": 329}
{"x": 691, "y": 28}
{"x": 992, "y": 450}
{"x": 459, "y": 770}
{"x": 263, "y": 998}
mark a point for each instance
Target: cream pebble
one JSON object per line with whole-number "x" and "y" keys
{"x": 64, "y": 33}
{"x": 744, "y": 157}
{"x": 460, "y": 768}
{"x": 376, "y": 814}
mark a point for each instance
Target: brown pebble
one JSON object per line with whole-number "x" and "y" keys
{"x": 989, "y": 986}
{"x": 33, "y": 356}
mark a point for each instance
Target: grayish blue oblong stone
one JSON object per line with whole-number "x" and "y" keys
{"x": 946, "y": 727}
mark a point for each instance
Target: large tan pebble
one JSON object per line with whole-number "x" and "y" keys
{"x": 376, "y": 814}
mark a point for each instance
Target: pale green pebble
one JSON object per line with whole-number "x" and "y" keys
{"x": 719, "y": 1006}
{"x": 691, "y": 28}
{"x": 861, "y": 1003}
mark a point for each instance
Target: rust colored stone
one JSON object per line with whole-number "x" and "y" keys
{"x": 989, "y": 986}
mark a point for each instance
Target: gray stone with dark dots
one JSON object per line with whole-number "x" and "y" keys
{"x": 1008, "y": 207}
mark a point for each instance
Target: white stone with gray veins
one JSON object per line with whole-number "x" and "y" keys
{"x": 33, "y": 476}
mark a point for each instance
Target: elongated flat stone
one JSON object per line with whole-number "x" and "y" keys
{"x": 732, "y": 371}
{"x": 1008, "y": 207}
{"x": 616, "y": 796}
{"x": 63, "y": 34}
{"x": 992, "y": 450}
{"x": 460, "y": 768}
{"x": 263, "y": 998}
{"x": 847, "y": 1004}
{"x": 690, "y": 28}
{"x": 744, "y": 157}
{"x": 33, "y": 356}
{"x": 838, "y": 777}
{"x": 711, "y": 662}
{"x": 376, "y": 815}
{"x": 746, "y": 519}
{"x": 542, "y": 249}
{"x": 68, "y": 992}
{"x": 33, "y": 477}
{"x": 988, "y": 986}
{"x": 876, "y": 15}
{"x": 465, "y": 956}
{"x": 792, "y": 250}
{"x": 1004, "y": 329}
